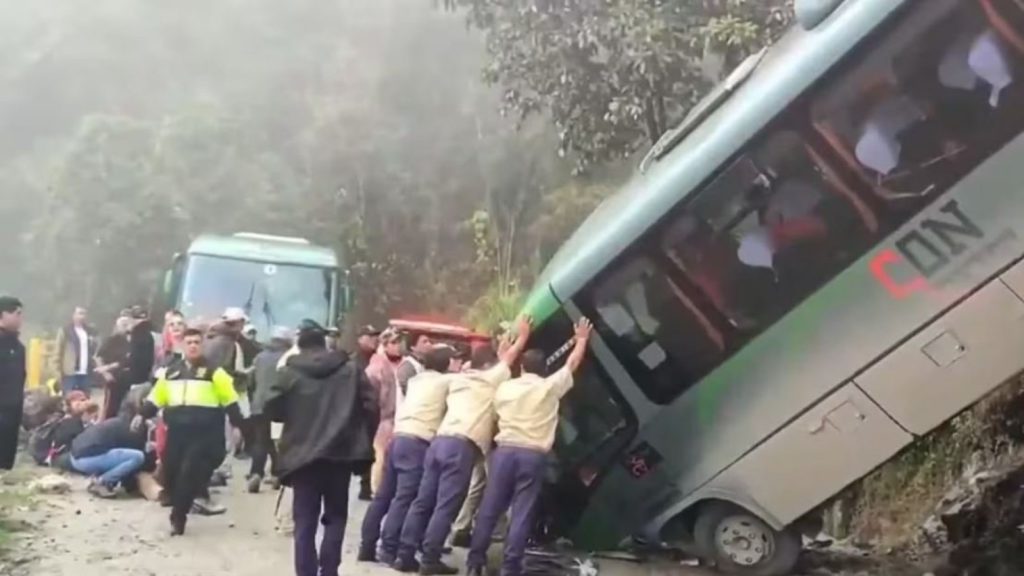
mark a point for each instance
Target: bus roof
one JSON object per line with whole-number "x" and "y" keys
{"x": 788, "y": 69}
{"x": 265, "y": 249}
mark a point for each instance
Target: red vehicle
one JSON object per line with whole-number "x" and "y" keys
{"x": 440, "y": 331}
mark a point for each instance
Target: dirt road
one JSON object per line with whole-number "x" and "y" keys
{"x": 75, "y": 534}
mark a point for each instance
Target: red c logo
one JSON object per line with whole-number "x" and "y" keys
{"x": 898, "y": 290}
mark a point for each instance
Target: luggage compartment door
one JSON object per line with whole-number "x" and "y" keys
{"x": 953, "y": 363}
{"x": 836, "y": 442}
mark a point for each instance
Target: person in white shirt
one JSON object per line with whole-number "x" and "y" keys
{"x": 76, "y": 346}
{"x": 463, "y": 438}
{"x": 527, "y": 409}
{"x": 416, "y": 424}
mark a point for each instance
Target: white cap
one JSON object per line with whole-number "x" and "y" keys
{"x": 281, "y": 333}
{"x": 234, "y": 315}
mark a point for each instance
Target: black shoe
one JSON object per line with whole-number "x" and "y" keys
{"x": 437, "y": 569}
{"x": 385, "y": 558}
{"x": 406, "y": 565}
{"x": 177, "y": 526}
{"x": 474, "y": 571}
{"x": 254, "y": 484}
{"x": 366, "y": 555}
{"x": 462, "y": 539}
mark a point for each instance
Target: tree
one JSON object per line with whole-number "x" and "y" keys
{"x": 614, "y": 75}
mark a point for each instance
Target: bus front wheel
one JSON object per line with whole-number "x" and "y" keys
{"x": 740, "y": 543}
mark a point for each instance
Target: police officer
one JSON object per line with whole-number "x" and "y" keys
{"x": 194, "y": 397}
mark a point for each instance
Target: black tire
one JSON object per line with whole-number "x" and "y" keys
{"x": 784, "y": 547}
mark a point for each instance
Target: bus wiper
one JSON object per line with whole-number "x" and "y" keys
{"x": 247, "y": 307}
{"x": 268, "y": 313}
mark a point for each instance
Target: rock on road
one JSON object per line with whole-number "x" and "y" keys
{"x": 76, "y": 534}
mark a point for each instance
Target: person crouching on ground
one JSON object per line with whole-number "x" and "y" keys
{"x": 330, "y": 414}
{"x": 527, "y": 409}
{"x": 194, "y": 398}
{"x": 464, "y": 437}
{"x": 110, "y": 452}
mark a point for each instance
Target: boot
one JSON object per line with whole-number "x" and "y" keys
{"x": 366, "y": 554}
{"x": 406, "y": 565}
{"x": 254, "y": 484}
{"x": 462, "y": 539}
{"x": 178, "y": 525}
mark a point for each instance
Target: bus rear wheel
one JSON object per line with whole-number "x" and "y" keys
{"x": 740, "y": 543}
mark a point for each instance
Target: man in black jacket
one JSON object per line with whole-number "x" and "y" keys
{"x": 141, "y": 360}
{"x": 12, "y": 379}
{"x": 330, "y": 415}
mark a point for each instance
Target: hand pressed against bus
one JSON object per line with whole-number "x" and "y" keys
{"x": 527, "y": 410}
{"x": 416, "y": 424}
{"x": 463, "y": 438}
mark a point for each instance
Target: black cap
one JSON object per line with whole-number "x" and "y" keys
{"x": 369, "y": 330}
{"x": 138, "y": 313}
{"x": 308, "y": 326}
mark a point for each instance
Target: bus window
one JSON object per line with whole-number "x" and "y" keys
{"x": 767, "y": 232}
{"x": 932, "y": 99}
{"x": 657, "y": 333}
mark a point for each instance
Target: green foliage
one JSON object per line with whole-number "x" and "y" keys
{"x": 614, "y": 75}
{"x": 498, "y": 304}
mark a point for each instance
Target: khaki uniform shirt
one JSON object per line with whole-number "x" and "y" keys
{"x": 424, "y": 406}
{"x": 527, "y": 409}
{"x": 471, "y": 405}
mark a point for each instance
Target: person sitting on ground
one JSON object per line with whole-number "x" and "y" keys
{"x": 110, "y": 452}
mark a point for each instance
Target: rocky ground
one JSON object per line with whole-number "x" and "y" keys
{"x": 978, "y": 530}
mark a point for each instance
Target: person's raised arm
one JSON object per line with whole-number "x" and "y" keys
{"x": 510, "y": 354}
{"x": 583, "y": 330}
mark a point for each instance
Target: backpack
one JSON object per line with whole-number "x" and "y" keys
{"x": 40, "y": 441}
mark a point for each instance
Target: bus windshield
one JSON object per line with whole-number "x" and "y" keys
{"x": 271, "y": 294}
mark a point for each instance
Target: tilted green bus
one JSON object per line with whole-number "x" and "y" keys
{"x": 817, "y": 267}
{"x": 278, "y": 281}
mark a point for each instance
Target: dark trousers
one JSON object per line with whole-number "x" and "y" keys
{"x": 403, "y": 471}
{"x": 263, "y": 445}
{"x": 114, "y": 396}
{"x": 191, "y": 456}
{"x": 10, "y": 427}
{"x": 320, "y": 485}
{"x": 447, "y": 471}
{"x": 515, "y": 477}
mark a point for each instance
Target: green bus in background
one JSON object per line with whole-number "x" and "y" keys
{"x": 821, "y": 264}
{"x": 278, "y": 281}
